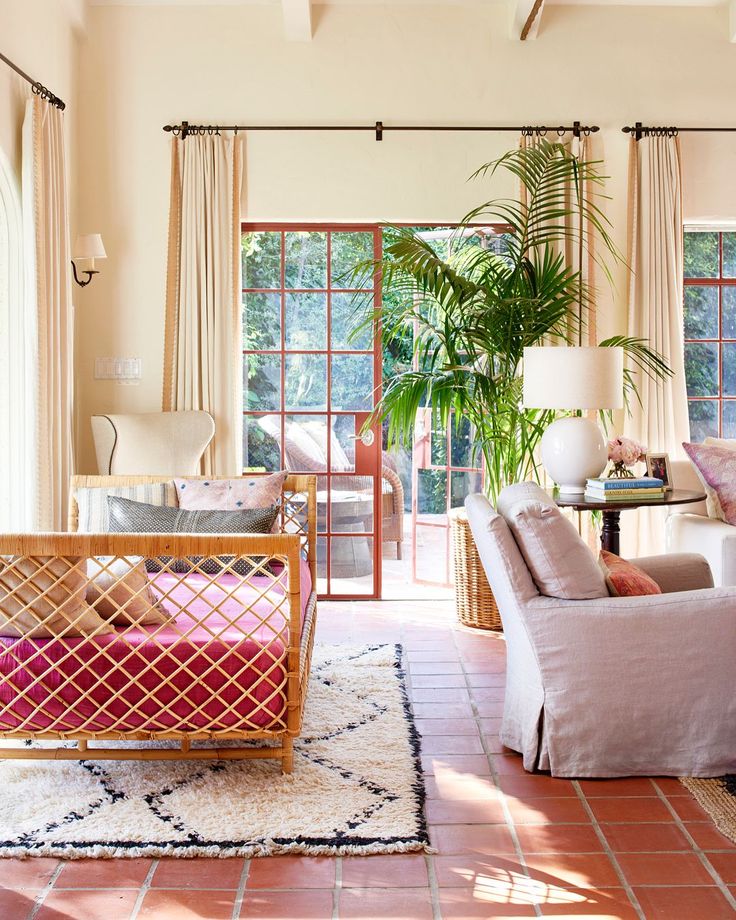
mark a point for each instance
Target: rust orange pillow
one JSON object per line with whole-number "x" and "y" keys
{"x": 624, "y": 579}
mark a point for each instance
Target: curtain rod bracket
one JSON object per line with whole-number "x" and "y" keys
{"x": 379, "y": 130}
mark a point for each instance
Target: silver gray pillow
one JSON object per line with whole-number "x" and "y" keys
{"x": 126, "y": 516}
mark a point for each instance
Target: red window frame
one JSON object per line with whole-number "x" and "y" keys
{"x": 720, "y": 282}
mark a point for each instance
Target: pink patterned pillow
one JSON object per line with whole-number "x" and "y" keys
{"x": 250, "y": 491}
{"x": 624, "y": 579}
{"x": 717, "y": 469}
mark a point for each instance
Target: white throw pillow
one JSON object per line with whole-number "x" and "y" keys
{"x": 44, "y": 596}
{"x": 120, "y": 592}
{"x": 560, "y": 562}
{"x": 92, "y": 502}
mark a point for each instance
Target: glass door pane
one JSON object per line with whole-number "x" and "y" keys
{"x": 311, "y": 377}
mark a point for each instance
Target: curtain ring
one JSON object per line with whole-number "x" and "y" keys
{"x": 176, "y": 130}
{"x": 542, "y": 131}
{"x": 561, "y": 131}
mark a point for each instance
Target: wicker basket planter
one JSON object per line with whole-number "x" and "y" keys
{"x": 474, "y": 600}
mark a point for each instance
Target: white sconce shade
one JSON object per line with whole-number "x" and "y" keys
{"x": 89, "y": 246}
{"x": 573, "y": 378}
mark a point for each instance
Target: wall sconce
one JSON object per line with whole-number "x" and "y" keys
{"x": 86, "y": 249}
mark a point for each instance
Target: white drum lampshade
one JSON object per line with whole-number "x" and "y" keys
{"x": 89, "y": 247}
{"x": 573, "y": 448}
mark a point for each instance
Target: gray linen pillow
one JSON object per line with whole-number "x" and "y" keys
{"x": 127, "y": 516}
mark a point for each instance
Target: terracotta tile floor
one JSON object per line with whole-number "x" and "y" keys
{"x": 508, "y": 844}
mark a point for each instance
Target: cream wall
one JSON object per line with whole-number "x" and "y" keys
{"x": 43, "y": 38}
{"x": 143, "y": 67}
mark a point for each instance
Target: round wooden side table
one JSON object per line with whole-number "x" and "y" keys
{"x": 610, "y": 533}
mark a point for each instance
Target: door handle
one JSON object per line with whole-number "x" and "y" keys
{"x": 367, "y": 439}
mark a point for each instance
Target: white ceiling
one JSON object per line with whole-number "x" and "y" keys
{"x": 404, "y": 2}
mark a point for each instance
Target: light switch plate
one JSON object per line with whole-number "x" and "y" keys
{"x": 123, "y": 370}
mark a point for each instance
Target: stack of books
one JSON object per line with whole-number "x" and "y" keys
{"x": 625, "y": 490}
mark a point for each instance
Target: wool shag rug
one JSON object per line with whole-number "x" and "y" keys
{"x": 718, "y": 798}
{"x": 356, "y": 788}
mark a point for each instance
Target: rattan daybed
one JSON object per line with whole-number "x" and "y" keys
{"x": 231, "y": 663}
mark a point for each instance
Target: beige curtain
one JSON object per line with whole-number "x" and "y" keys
{"x": 582, "y": 148}
{"x": 203, "y": 352}
{"x": 655, "y": 312}
{"x": 47, "y": 254}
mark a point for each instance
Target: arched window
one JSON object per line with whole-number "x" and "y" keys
{"x": 17, "y": 417}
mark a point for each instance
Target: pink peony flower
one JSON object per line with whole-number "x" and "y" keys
{"x": 626, "y": 451}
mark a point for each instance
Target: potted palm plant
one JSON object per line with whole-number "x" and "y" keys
{"x": 471, "y": 313}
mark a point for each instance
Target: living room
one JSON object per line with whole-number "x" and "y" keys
{"x": 287, "y": 445}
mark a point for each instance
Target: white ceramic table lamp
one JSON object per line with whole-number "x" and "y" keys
{"x": 573, "y": 447}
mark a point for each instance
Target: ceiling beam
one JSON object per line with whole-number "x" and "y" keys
{"x": 297, "y": 20}
{"x": 732, "y": 21}
{"x": 525, "y": 20}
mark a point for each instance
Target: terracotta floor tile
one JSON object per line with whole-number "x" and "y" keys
{"x": 186, "y": 903}
{"x": 663, "y": 869}
{"x": 488, "y": 680}
{"x": 603, "y": 904}
{"x": 287, "y": 905}
{"x": 558, "y": 838}
{"x": 432, "y": 668}
{"x": 466, "y": 871}
{"x": 688, "y": 809}
{"x": 684, "y": 904}
{"x": 583, "y": 870}
{"x": 488, "y": 709}
{"x": 104, "y": 873}
{"x": 398, "y": 904}
{"x": 627, "y": 811}
{"x": 725, "y": 866}
{"x": 26, "y": 873}
{"x": 16, "y": 905}
{"x": 398, "y": 871}
{"x": 547, "y": 810}
{"x": 469, "y": 763}
{"x": 536, "y": 785}
{"x": 449, "y": 786}
{"x": 96, "y": 904}
{"x": 437, "y": 681}
{"x": 644, "y": 838}
{"x": 670, "y": 786}
{"x": 484, "y": 839}
{"x": 489, "y": 811}
{"x": 444, "y": 726}
{"x": 448, "y": 711}
{"x": 198, "y": 873}
{"x": 462, "y": 904}
{"x": 490, "y": 726}
{"x": 445, "y": 695}
{"x": 508, "y": 765}
{"x": 492, "y": 744}
{"x": 292, "y": 872}
{"x": 628, "y": 786}
{"x": 451, "y": 744}
{"x": 708, "y": 837}
{"x": 415, "y": 654}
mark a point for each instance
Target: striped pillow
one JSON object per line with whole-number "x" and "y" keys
{"x": 92, "y": 502}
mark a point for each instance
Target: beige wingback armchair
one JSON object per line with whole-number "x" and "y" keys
{"x": 615, "y": 686}
{"x": 151, "y": 444}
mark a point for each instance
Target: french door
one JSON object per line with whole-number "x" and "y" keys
{"x": 310, "y": 382}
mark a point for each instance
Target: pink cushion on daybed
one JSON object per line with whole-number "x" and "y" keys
{"x": 136, "y": 665}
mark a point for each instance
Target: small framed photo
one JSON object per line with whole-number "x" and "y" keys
{"x": 658, "y": 466}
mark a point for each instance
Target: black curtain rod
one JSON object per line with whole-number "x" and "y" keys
{"x": 38, "y": 88}
{"x": 184, "y": 129}
{"x": 639, "y": 130}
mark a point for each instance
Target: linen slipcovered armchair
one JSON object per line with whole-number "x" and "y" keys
{"x": 614, "y": 686}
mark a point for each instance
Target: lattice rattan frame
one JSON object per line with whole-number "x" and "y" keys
{"x": 285, "y": 678}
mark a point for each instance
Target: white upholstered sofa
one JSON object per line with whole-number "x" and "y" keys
{"x": 693, "y": 531}
{"x": 614, "y": 686}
